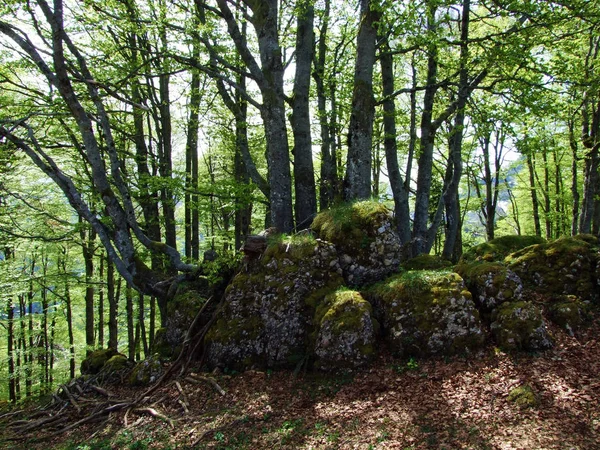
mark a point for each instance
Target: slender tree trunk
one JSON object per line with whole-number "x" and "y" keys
{"x": 574, "y": 181}
{"x": 425, "y": 165}
{"x": 397, "y": 184}
{"x": 112, "y": 307}
{"x": 451, "y": 199}
{"x": 152, "y": 320}
{"x": 304, "y": 174}
{"x": 328, "y": 173}
{"x": 534, "y": 197}
{"x": 192, "y": 230}
{"x": 130, "y": 324}
{"x": 10, "y": 350}
{"x": 357, "y": 182}
{"x": 243, "y": 210}
{"x": 142, "y": 324}
{"x": 101, "y": 303}
{"x": 546, "y": 193}
{"x": 69, "y": 315}
{"x": 88, "y": 237}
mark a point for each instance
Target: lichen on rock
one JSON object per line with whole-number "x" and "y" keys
{"x": 565, "y": 266}
{"x": 147, "y": 371}
{"x": 520, "y": 326}
{"x": 269, "y": 307}
{"x": 427, "y": 313}
{"x": 491, "y": 284}
{"x": 364, "y": 236}
{"x": 568, "y": 312}
{"x": 345, "y": 331}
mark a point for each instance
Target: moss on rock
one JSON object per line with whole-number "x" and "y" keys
{"x": 568, "y": 312}
{"x": 365, "y": 239}
{"x": 491, "y": 284}
{"x": 146, "y": 372}
{"x": 426, "y": 262}
{"x": 497, "y": 249}
{"x": 564, "y": 266}
{"x": 269, "y": 307}
{"x": 427, "y": 313}
{"x": 96, "y": 360}
{"x": 520, "y": 326}
{"x": 345, "y": 331}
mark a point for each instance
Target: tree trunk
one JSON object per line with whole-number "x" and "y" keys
{"x": 142, "y": 324}
{"x": 112, "y": 307}
{"x": 328, "y": 182}
{"x": 10, "y": 339}
{"x": 357, "y": 182}
{"x": 130, "y": 325}
{"x": 87, "y": 245}
{"x": 397, "y": 184}
{"x": 451, "y": 199}
{"x": 304, "y": 174}
{"x": 534, "y": 197}
{"x": 425, "y": 161}
{"x": 192, "y": 225}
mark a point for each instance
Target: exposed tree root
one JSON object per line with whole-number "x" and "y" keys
{"x": 80, "y": 396}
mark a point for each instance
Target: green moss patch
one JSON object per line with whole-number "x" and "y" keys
{"x": 426, "y": 262}
{"x": 427, "y": 313}
{"x": 345, "y": 330}
{"x": 520, "y": 326}
{"x": 564, "y": 266}
{"x": 94, "y": 362}
{"x": 497, "y": 249}
{"x": 523, "y": 396}
{"x": 349, "y": 221}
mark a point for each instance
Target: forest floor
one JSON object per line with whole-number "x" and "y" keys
{"x": 460, "y": 403}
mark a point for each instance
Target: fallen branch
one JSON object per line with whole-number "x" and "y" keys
{"x": 154, "y": 413}
{"x": 197, "y": 379}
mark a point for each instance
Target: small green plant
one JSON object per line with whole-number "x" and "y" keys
{"x": 219, "y": 436}
{"x": 411, "y": 364}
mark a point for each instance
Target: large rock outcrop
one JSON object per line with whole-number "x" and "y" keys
{"x": 268, "y": 311}
{"x": 345, "y": 330}
{"x": 427, "y": 313}
{"x": 363, "y": 234}
{"x": 566, "y": 266}
{"x": 520, "y": 326}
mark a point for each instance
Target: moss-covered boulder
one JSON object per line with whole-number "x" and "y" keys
{"x": 117, "y": 363}
{"x": 146, "y": 372}
{"x": 520, "y": 326}
{"x": 568, "y": 312}
{"x": 427, "y": 313}
{"x": 426, "y": 262}
{"x": 364, "y": 235}
{"x": 269, "y": 307}
{"x": 565, "y": 266}
{"x": 345, "y": 331}
{"x": 181, "y": 311}
{"x": 491, "y": 284}
{"x": 96, "y": 360}
{"x": 497, "y": 249}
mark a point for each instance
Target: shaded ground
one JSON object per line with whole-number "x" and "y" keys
{"x": 454, "y": 404}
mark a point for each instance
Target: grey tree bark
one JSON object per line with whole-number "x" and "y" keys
{"x": 305, "y": 204}
{"x": 357, "y": 182}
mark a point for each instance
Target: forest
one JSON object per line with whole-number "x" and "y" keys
{"x": 142, "y": 142}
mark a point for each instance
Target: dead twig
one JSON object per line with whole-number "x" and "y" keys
{"x": 154, "y": 413}
{"x": 197, "y": 379}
